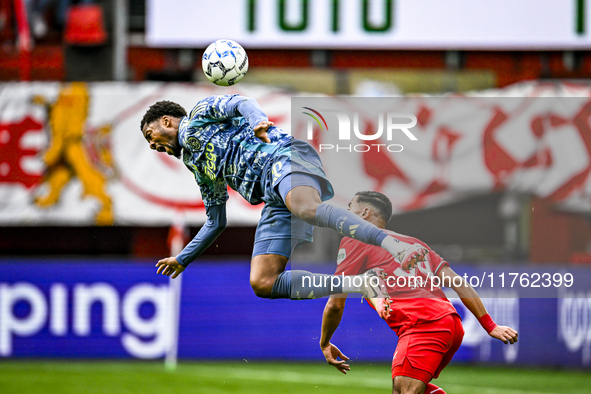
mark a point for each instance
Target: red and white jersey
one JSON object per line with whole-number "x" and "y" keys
{"x": 415, "y": 297}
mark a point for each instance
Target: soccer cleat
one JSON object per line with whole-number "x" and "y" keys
{"x": 383, "y": 306}
{"x": 412, "y": 256}
{"x": 376, "y": 292}
{"x": 373, "y": 283}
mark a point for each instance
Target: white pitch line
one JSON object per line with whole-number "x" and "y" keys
{"x": 319, "y": 380}
{"x": 295, "y": 377}
{"x": 490, "y": 390}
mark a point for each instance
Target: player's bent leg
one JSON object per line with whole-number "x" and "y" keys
{"x": 303, "y": 201}
{"x": 305, "y": 285}
{"x": 264, "y": 270}
{"x": 269, "y": 279}
{"x": 407, "y": 385}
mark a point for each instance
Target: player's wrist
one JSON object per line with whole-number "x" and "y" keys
{"x": 181, "y": 260}
{"x": 487, "y": 323}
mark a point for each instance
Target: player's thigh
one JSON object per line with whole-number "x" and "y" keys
{"x": 302, "y": 194}
{"x": 407, "y": 385}
{"x": 306, "y": 193}
{"x": 265, "y": 268}
{"x": 457, "y": 336}
{"x": 408, "y": 363}
{"x": 423, "y": 351}
{"x": 279, "y": 232}
{"x": 301, "y": 182}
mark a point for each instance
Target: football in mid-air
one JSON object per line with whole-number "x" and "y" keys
{"x": 225, "y": 62}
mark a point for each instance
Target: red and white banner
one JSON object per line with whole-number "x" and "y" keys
{"x": 531, "y": 138}
{"x": 74, "y": 153}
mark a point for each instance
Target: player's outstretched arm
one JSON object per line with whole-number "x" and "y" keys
{"x": 472, "y": 301}
{"x": 331, "y": 318}
{"x": 169, "y": 266}
{"x": 215, "y": 225}
{"x": 252, "y": 112}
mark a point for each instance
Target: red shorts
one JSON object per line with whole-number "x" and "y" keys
{"x": 425, "y": 349}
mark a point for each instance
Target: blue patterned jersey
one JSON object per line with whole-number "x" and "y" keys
{"x": 220, "y": 148}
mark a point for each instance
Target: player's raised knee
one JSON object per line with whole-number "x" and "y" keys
{"x": 262, "y": 287}
{"x": 306, "y": 211}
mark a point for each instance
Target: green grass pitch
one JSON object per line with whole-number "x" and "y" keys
{"x": 114, "y": 377}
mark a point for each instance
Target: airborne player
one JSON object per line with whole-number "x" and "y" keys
{"x": 229, "y": 141}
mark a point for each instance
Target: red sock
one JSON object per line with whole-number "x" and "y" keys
{"x": 432, "y": 389}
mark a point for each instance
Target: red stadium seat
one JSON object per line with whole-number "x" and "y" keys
{"x": 85, "y": 25}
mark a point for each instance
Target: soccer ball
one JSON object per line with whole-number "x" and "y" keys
{"x": 224, "y": 62}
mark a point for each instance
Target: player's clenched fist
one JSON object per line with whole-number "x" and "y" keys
{"x": 169, "y": 266}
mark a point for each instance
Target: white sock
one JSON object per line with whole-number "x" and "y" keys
{"x": 352, "y": 285}
{"x": 394, "y": 246}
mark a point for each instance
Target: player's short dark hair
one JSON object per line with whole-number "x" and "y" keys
{"x": 378, "y": 201}
{"x": 161, "y": 108}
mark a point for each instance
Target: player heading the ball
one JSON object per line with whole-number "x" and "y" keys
{"x": 229, "y": 141}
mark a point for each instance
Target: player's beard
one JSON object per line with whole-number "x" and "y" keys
{"x": 172, "y": 143}
{"x": 176, "y": 150}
